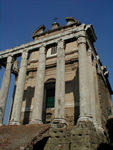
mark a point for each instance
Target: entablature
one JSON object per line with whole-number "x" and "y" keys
{"x": 71, "y": 33}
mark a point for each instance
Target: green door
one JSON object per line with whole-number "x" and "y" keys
{"x": 50, "y": 98}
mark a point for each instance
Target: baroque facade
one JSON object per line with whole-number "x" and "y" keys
{"x": 61, "y": 86}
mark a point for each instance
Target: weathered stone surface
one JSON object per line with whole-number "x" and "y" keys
{"x": 39, "y": 88}
{"x": 78, "y": 95}
{"x": 60, "y": 82}
{"x": 84, "y": 136}
{"x": 71, "y": 87}
{"x": 14, "y": 137}
{"x": 5, "y": 88}
{"x": 83, "y": 79}
{"x": 16, "y": 112}
{"x": 103, "y": 100}
{"x": 59, "y": 139}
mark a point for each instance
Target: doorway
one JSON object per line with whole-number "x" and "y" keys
{"x": 49, "y": 102}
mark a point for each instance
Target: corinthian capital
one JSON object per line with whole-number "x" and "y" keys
{"x": 60, "y": 43}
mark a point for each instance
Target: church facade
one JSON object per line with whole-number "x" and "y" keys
{"x": 60, "y": 83}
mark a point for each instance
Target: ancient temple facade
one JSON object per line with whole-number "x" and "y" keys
{"x": 59, "y": 81}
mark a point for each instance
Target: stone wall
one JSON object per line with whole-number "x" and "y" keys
{"x": 71, "y": 83}
{"x": 84, "y": 136}
{"x": 104, "y": 99}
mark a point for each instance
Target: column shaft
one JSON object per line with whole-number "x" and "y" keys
{"x": 92, "y": 97}
{"x": 60, "y": 83}
{"x": 97, "y": 105}
{"x": 5, "y": 88}
{"x": 83, "y": 80}
{"x": 16, "y": 111}
{"x": 39, "y": 89}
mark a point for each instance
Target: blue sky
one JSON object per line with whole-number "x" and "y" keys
{"x": 19, "y": 18}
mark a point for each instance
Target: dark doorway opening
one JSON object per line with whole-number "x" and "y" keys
{"x": 40, "y": 144}
{"x": 49, "y": 102}
{"x": 105, "y": 146}
{"x": 50, "y": 97}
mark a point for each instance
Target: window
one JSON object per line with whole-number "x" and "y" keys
{"x": 53, "y": 50}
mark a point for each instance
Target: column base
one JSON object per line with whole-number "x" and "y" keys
{"x": 98, "y": 127}
{"x": 14, "y": 123}
{"x": 59, "y": 123}
{"x": 36, "y": 122}
{"x": 101, "y": 129}
{"x": 89, "y": 118}
{"x": 85, "y": 118}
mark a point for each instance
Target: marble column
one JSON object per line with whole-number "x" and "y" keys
{"x": 5, "y": 88}
{"x": 39, "y": 88}
{"x": 97, "y": 103}
{"x": 83, "y": 79}
{"x": 92, "y": 98}
{"x": 60, "y": 84}
{"x": 16, "y": 111}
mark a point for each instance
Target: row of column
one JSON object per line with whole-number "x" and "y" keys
{"x": 39, "y": 87}
{"x": 59, "y": 90}
{"x": 86, "y": 86}
{"x": 15, "y": 117}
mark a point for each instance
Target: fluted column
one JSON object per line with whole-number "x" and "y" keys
{"x": 60, "y": 84}
{"x": 39, "y": 89}
{"x": 5, "y": 88}
{"x": 83, "y": 79}
{"x": 16, "y": 111}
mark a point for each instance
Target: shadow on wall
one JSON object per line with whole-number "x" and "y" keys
{"x": 73, "y": 86}
{"x": 109, "y": 126}
{"x": 28, "y": 95}
{"x": 105, "y": 146}
{"x": 70, "y": 87}
{"x": 12, "y": 102}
